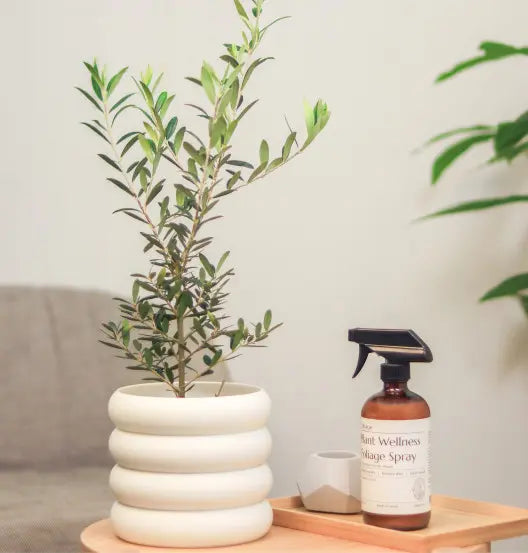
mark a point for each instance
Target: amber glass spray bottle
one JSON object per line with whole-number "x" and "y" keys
{"x": 395, "y": 434}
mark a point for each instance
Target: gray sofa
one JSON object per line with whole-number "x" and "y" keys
{"x": 54, "y": 385}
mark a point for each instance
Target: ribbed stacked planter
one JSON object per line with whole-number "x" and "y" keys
{"x": 190, "y": 472}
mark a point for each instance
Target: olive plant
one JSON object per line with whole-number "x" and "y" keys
{"x": 175, "y": 325}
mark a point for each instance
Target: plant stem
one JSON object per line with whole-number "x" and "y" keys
{"x": 181, "y": 357}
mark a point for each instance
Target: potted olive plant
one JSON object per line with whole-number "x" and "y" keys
{"x": 190, "y": 454}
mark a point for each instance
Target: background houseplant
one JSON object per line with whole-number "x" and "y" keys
{"x": 183, "y": 466}
{"x": 508, "y": 140}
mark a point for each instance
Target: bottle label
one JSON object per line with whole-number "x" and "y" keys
{"x": 395, "y": 466}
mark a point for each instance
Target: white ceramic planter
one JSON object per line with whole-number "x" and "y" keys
{"x": 190, "y": 472}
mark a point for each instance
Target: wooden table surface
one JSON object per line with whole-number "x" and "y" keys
{"x": 99, "y": 538}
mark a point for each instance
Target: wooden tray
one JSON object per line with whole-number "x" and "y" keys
{"x": 454, "y": 522}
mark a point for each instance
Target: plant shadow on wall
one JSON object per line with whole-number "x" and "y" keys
{"x": 175, "y": 321}
{"x": 509, "y": 140}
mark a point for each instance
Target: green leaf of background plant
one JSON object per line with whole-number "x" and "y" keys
{"x": 453, "y": 132}
{"x": 492, "y": 51}
{"x": 448, "y": 156}
{"x": 509, "y": 133}
{"x": 509, "y": 287}
{"x": 477, "y": 205}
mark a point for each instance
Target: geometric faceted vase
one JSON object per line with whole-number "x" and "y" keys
{"x": 190, "y": 472}
{"x": 330, "y": 482}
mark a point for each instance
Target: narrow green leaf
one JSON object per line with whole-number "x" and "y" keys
{"x": 240, "y": 9}
{"x": 239, "y": 163}
{"x": 509, "y": 287}
{"x": 492, "y": 51}
{"x": 110, "y": 162}
{"x": 127, "y": 135}
{"x": 266, "y": 27}
{"x": 230, "y": 60}
{"x": 245, "y": 110}
{"x": 147, "y": 94}
{"x": 267, "y": 319}
{"x": 448, "y": 156}
{"x": 97, "y": 89}
{"x": 222, "y": 260}
{"x": 145, "y": 145}
{"x": 288, "y": 145}
{"x": 199, "y": 328}
{"x": 162, "y": 98}
{"x": 477, "y": 205}
{"x": 110, "y": 345}
{"x": 208, "y": 84}
{"x": 135, "y": 291}
{"x": 508, "y": 134}
{"x": 129, "y": 144}
{"x": 257, "y": 171}
{"x": 119, "y": 102}
{"x": 184, "y": 302}
{"x": 178, "y": 139}
{"x": 235, "y": 87}
{"x": 207, "y": 265}
{"x": 236, "y": 339}
{"x": 218, "y": 130}
{"x": 252, "y": 68}
{"x": 90, "y": 98}
{"x": 233, "y": 180}
{"x": 121, "y": 185}
{"x": 194, "y": 80}
{"x": 309, "y": 117}
{"x": 264, "y": 152}
{"x": 453, "y": 132}
{"x": 523, "y": 298}
{"x": 171, "y": 127}
{"x": 155, "y": 191}
{"x": 96, "y": 131}
{"x": 114, "y": 81}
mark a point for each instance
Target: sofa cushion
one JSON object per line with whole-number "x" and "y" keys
{"x": 45, "y": 512}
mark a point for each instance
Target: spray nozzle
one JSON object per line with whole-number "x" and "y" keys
{"x": 398, "y": 347}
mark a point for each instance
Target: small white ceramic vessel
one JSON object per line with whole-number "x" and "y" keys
{"x": 330, "y": 482}
{"x": 190, "y": 472}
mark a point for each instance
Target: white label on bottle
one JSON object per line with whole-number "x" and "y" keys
{"x": 395, "y": 466}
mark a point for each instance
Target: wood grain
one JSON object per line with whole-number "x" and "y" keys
{"x": 99, "y": 538}
{"x": 454, "y": 523}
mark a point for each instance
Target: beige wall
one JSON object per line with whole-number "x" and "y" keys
{"x": 327, "y": 242}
